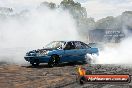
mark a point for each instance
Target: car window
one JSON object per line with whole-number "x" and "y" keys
{"x": 55, "y": 45}
{"x": 69, "y": 46}
{"x": 81, "y": 45}
{"x": 78, "y": 45}
{"x": 84, "y": 46}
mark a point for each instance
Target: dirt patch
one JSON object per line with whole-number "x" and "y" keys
{"x": 14, "y": 76}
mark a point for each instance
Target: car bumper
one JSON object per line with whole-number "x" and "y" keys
{"x": 42, "y": 59}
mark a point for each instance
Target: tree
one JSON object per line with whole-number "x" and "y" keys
{"x": 74, "y": 8}
{"x": 51, "y": 5}
{"x": 79, "y": 13}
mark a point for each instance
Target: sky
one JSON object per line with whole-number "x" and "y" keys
{"x": 95, "y": 8}
{"x": 102, "y": 8}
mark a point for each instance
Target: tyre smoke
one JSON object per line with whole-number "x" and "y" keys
{"x": 32, "y": 29}
{"x": 116, "y": 53}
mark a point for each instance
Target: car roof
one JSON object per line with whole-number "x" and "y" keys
{"x": 67, "y": 41}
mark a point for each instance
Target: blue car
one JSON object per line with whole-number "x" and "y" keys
{"x": 60, "y": 51}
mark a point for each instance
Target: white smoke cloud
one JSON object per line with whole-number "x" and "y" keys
{"x": 32, "y": 30}
{"x": 117, "y": 54}
{"x": 25, "y": 2}
{"x": 19, "y": 5}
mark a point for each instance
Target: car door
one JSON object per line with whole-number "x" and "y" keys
{"x": 70, "y": 53}
{"x": 83, "y": 50}
{"x": 85, "y": 47}
{"x": 80, "y": 50}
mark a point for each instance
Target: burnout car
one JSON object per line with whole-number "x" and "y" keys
{"x": 60, "y": 51}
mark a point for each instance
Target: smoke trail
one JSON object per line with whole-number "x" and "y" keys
{"x": 117, "y": 54}
{"x": 31, "y": 30}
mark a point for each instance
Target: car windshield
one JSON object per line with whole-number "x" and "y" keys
{"x": 55, "y": 45}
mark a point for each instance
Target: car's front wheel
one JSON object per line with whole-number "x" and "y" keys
{"x": 53, "y": 61}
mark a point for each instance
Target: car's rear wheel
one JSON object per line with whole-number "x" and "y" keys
{"x": 54, "y": 60}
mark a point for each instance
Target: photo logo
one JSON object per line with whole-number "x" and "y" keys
{"x": 87, "y": 76}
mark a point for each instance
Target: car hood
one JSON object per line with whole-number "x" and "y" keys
{"x": 46, "y": 49}
{"x": 38, "y": 51}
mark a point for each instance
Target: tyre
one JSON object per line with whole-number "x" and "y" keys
{"x": 53, "y": 61}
